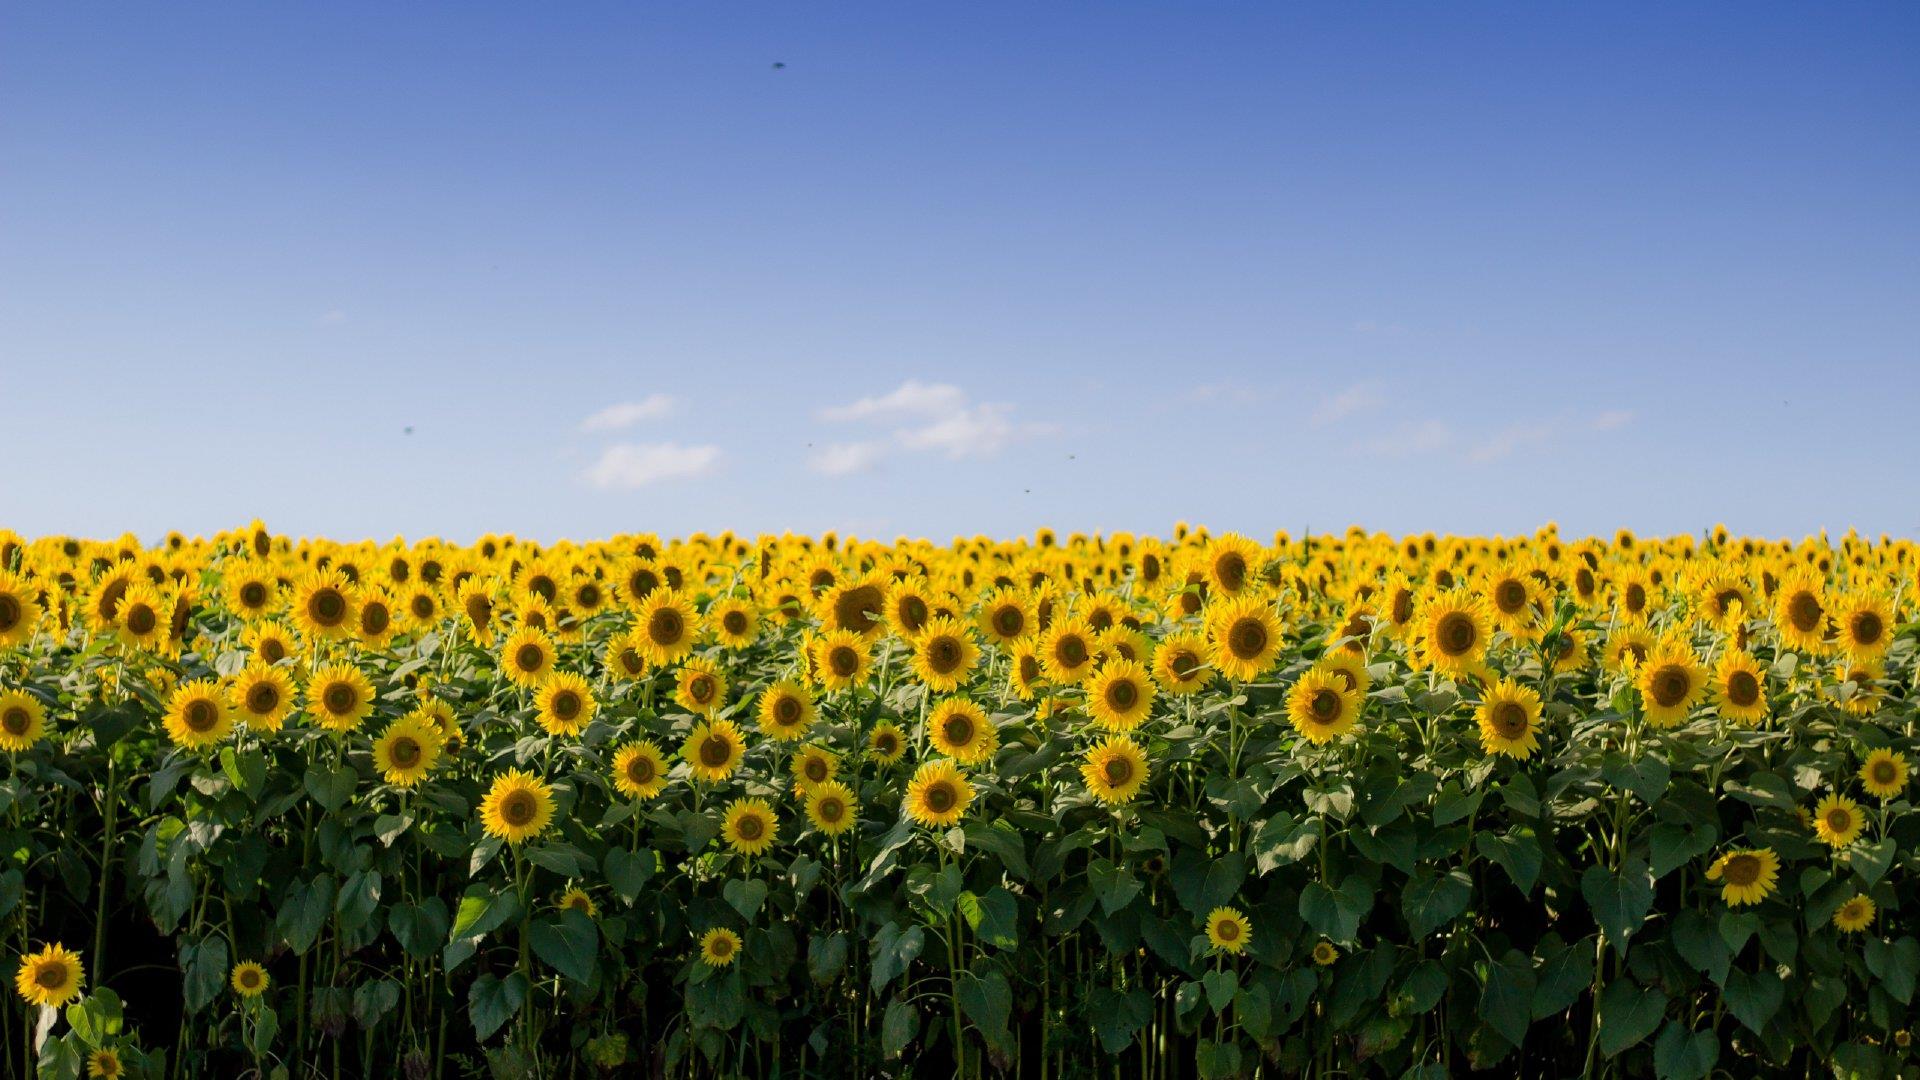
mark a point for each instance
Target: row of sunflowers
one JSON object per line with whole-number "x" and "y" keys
{"x": 1062, "y": 805}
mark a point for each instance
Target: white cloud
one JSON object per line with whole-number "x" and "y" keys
{"x": 1506, "y": 442}
{"x": 913, "y": 398}
{"x": 628, "y": 413}
{"x": 1356, "y": 398}
{"x": 1425, "y": 437}
{"x": 1612, "y": 419}
{"x": 842, "y": 459}
{"x": 631, "y": 465}
{"x": 935, "y": 418}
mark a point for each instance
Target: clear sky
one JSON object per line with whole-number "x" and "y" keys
{"x": 570, "y": 269}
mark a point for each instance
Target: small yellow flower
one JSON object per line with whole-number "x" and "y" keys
{"x": 53, "y": 976}
{"x": 1855, "y": 915}
{"x": 1228, "y": 930}
{"x": 719, "y": 946}
{"x": 249, "y": 979}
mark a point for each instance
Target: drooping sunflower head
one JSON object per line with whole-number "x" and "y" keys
{"x": 886, "y": 743}
{"x": 51, "y": 977}
{"x": 566, "y": 704}
{"x": 719, "y": 947}
{"x": 749, "y": 827}
{"x": 1246, "y": 634}
{"x": 1748, "y": 875}
{"x": 518, "y": 806}
{"x": 1837, "y": 821}
{"x": 198, "y": 714}
{"x": 339, "y": 697}
{"x": 713, "y": 750}
{"x": 248, "y": 979}
{"x": 700, "y": 688}
{"x": 640, "y": 770}
{"x": 1884, "y": 774}
{"x": 1120, "y": 695}
{"x": 785, "y": 711}
{"x": 23, "y": 721}
{"x": 938, "y": 794}
{"x": 1321, "y": 708}
{"x": 961, "y": 730}
{"x": 1509, "y": 719}
{"x": 406, "y": 752}
{"x": 1115, "y": 770}
{"x": 1228, "y": 930}
{"x": 944, "y": 654}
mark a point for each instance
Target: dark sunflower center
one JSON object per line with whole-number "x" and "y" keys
{"x": 715, "y": 751}
{"x": 666, "y": 627}
{"x": 1122, "y": 694}
{"x": 941, "y": 796}
{"x": 913, "y": 612}
{"x": 1742, "y": 688}
{"x": 943, "y": 655}
{"x": 1583, "y": 582}
{"x": 479, "y": 610}
{"x": 1742, "y": 869}
{"x": 1805, "y": 612}
{"x": 886, "y": 743}
{"x": 858, "y": 607}
{"x": 722, "y": 947}
{"x": 1867, "y": 628}
{"x": 405, "y": 752}
{"x": 786, "y": 712}
{"x": 1247, "y": 639}
{"x": 263, "y": 698}
{"x": 339, "y": 698}
{"x": 640, "y": 583}
{"x": 1118, "y": 771}
{"x": 1072, "y": 651}
{"x": 587, "y": 596}
{"x": 957, "y": 729}
{"x": 1509, "y": 719}
{"x": 1227, "y": 930}
{"x": 1510, "y": 596}
{"x": 844, "y": 661}
{"x": 1029, "y": 668}
{"x": 1456, "y": 634}
{"x": 518, "y": 808}
{"x": 1670, "y": 686}
{"x": 1231, "y": 569}
{"x": 16, "y": 721}
{"x": 830, "y": 809}
{"x": 640, "y": 769}
{"x": 1883, "y": 772}
{"x": 544, "y": 586}
{"x": 142, "y": 619}
{"x": 273, "y": 650}
{"x": 253, "y": 594}
{"x": 1324, "y": 705}
{"x": 422, "y": 606}
{"x": 375, "y": 618}
{"x": 1839, "y": 819}
{"x": 566, "y": 704}
{"x": 530, "y": 657}
{"x": 750, "y": 827}
{"x": 734, "y": 622}
{"x": 700, "y": 688}
{"x": 201, "y": 715}
{"x": 327, "y": 607}
{"x": 815, "y": 769}
{"x": 1636, "y": 597}
{"x": 50, "y": 976}
{"x": 1009, "y": 621}
{"x": 1183, "y": 664}
{"x": 631, "y": 661}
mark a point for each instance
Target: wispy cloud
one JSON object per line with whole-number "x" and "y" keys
{"x": 1612, "y": 419}
{"x": 932, "y": 418}
{"x": 1425, "y": 437}
{"x": 843, "y": 459}
{"x": 625, "y": 414}
{"x": 1504, "y": 443}
{"x": 626, "y": 466}
{"x": 1356, "y": 398}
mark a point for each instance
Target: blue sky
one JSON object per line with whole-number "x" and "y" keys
{"x": 958, "y": 268}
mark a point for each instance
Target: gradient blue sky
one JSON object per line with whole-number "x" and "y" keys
{"x": 1460, "y": 267}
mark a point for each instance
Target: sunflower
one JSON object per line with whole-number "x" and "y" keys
{"x": 1350, "y": 668}
{"x": 1855, "y": 915}
{"x": 575, "y": 898}
{"x": 626, "y": 658}
{"x": 857, "y": 605}
{"x": 374, "y": 625}
{"x": 1634, "y": 589}
{"x": 1800, "y": 611}
{"x": 51, "y": 977}
{"x": 1509, "y": 719}
{"x": 1627, "y": 648}
{"x": 1228, "y": 930}
{"x": 750, "y": 827}
{"x": 566, "y": 704}
{"x": 1231, "y": 564}
{"x": 1837, "y": 821}
{"x": 262, "y": 696}
{"x": 198, "y": 715}
{"x": 938, "y": 794}
{"x": 1670, "y": 682}
{"x": 270, "y": 642}
{"x": 1510, "y": 599}
{"x": 23, "y": 721}
{"x": 323, "y": 605}
{"x": 785, "y": 711}
{"x": 640, "y": 770}
{"x": 886, "y": 743}
{"x": 718, "y": 947}
{"x": 1006, "y": 616}
{"x": 19, "y": 610}
{"x": 699, "y": 688}
{"x": 944, "y": 655}
{"x": 1884, "y": 774}
{"x": 1865, "y": 675}
{"x": 1865, "y": 622}
{"x": 477, "y": 610}
{"x": 1067, "y": 651}
{"x": 1120, "y": 695}
{"x": 1324, "y": 953}
{"x": 143, "y": 617}
{"x": 518, "y": 806}
{"x": 249, "y": 979}
{"x": 105, "y": 1064}
{"x": 713, "y": 750}
{"x": 667, "y": 626}
{"x": 103, "y": 601}
{"x": 1740, "y": 687}
{"x": 813, "y": 765}
{"x": 407, "y": 752}
{"x": 420, "y": 605}
{"x": 1115, "y": 770}
{"x": 1246, "y": 637}
{"x": 735, "y": 622}
{"x": 1321, "y": 707}
{"x": 1750, "y": 875}
{"x": 339, "y": 697}
{"x": 961, "y": 730}
{"x": 1024, "y": 671}
{"x": 436, "y": 718}
{"x": 1183, "y": 664}
{"x": 527, "y": 657}
{"x": 1453, "y": 632}
{"x": 840, "y": 659}
{"x": 832, "y": 807}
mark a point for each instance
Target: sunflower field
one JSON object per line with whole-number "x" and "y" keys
{"x": 1060, "y": 806}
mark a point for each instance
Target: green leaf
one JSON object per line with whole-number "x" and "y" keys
{"x": 305, "y": 912}
{"x": 1114, "y": 885}
{"x": 986, "y": 1000}
{"x": 419, "y": 928}
{"x": 1224, "y": 878}
{"x": 629, "y": 871}
{"x": 1002, "y": 841}
{"x": 999, "y": 923}
{"x": 827, "y": 957}
{"x": 1336, "y": 915}
{"x": 1620, "y": 902}
{"x": 1432, "y": 902}
{"x": 1118, "y": 1017}
{"x": 1680, "y": 1054}
{"x": 1455, "y": 804}
{"x": 1517, "y": 851}
{"x": 390, "y": 827}
{"x": 374, "y": 1000}
{"x": 206, "y": 967}
{"x": 1699, "y": 943}
{"x": 96, "y": 1018}
{"x": 1628, "y": 1014}
{"x": 1871, "y": 861}
{"x": 1421, "y": 990}
{"x": 1220, "y": 985}
{"x": 745, "y": 896}
{"x": 491, "y": 1002}
{"x": 1506, "y": 998}
{"x": 1562, "y": 979}
{"x": 359, "y": 896}
{"x": 892, "y": 951}
{"x": 1895, "y": 964}
{"x": 1754, "y": 997}
{"x": 568, "y": 942}
{"x": 1647, "y": 777}
{"x": 1217, "y": 1060}
{"x": 898, "y": 1028}
{"x": 331, "y": 788}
